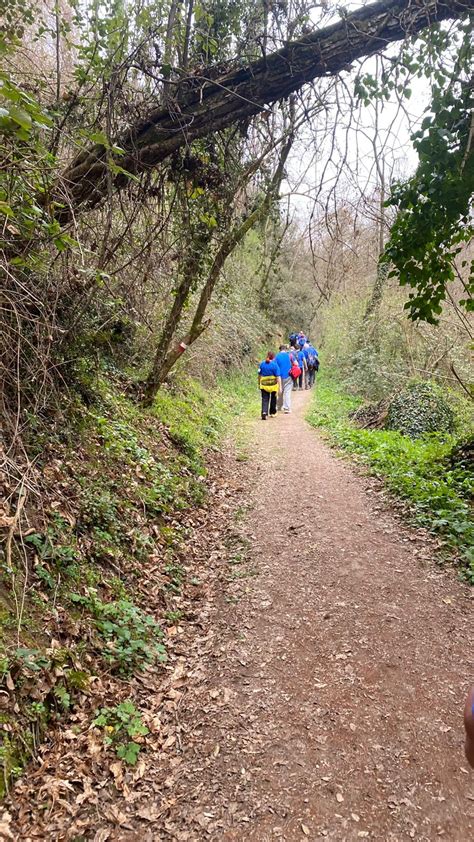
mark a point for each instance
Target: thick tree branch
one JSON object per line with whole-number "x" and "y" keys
{"x": 206, "y": 105}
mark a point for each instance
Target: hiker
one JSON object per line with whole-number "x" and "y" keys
{"x": 312, "y": 360}
{"x": 304, "y": 368}
{"x": 269, "y": 383}
{"x": 293, "y": 339}
{"x": 305, "y": 350}
{"x": 301, "y": 339}
{"x": 295, "y": 369}
{"x": 284, "y": 362}
{"x": 469, "y": 726}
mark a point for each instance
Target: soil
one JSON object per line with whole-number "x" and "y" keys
{"x": 317, "y": 691}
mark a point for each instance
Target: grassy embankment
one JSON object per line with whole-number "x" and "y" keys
{"x": 95, "y": 577}
{"x": 438, "y": 496}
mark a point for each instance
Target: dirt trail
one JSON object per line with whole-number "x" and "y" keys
{"x": 343, "y": 671}
{"x": 315, "y": 690}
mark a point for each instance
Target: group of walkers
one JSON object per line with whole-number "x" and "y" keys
{"x": 294, "y": 367}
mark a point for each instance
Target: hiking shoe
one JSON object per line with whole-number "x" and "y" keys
{"x": 264, "y": 417}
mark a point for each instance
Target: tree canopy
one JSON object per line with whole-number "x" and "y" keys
{"x": 204, "y": 104}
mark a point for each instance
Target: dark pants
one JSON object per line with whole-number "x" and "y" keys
{"x": 269, "y": 399}
{"x": 311, "y": 376}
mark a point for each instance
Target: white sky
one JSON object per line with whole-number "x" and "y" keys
{"x": 316, "y": 159}
{"x": 309, "y": 173}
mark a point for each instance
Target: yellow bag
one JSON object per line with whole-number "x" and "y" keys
{"x": 269, "y": 383}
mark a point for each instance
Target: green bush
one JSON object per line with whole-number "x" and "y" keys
{"x": 419, "y": 409}
{"x": 416, "y": 470}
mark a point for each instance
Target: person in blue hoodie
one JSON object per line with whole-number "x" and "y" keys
{"x": 269, "y": 383}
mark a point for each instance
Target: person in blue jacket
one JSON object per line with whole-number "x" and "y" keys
{"x": 269, "y": 382}
{"x": 284, "y": 362}
{"x": 313, "y": 364}
{"x": 304, "y": 369}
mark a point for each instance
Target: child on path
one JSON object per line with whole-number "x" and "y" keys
{"x": 313, "y": 364}
{"x": 269, "y": 383}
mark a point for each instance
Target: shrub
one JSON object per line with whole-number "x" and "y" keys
{"x": 420, "y": 408}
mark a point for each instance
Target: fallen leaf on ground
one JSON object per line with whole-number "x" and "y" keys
{"x": 5, "y": 832}
{"x": 101, "y": 835}
{"x": 150, "y": 814}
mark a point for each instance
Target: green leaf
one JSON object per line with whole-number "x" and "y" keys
{"x": 6, "y": 209}
{"x": 128, "y": 753}
{"x": 117, "y": 170}
{"x": 21, "y": 117}
{"x": 99, "y": 137}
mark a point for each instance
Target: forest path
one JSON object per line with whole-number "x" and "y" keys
{"x": 341, "y": 673}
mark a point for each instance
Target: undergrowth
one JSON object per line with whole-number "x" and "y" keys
{"x": 114, "y": 480}
{"x": 123, "y": 729}
{"x": 239, "y": 397}
{"x": 417, "y": 471}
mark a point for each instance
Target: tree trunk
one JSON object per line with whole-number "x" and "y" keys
{"x": 164, "y": 363}
{"x": 369, "y": 325}
{"x": 263, "y": 291}
{"x": 202, "y": 105}
{"x": 189, "y": 273}
{"x": 168, "y": 51}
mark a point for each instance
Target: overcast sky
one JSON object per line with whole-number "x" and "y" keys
{"x": 317, "y": 157}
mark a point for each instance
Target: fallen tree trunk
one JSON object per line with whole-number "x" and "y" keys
{"x": 207, "y": 105}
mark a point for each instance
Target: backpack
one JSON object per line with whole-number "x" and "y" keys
{"x": 295, "y": 370}
{"x": 313, "y": 361}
